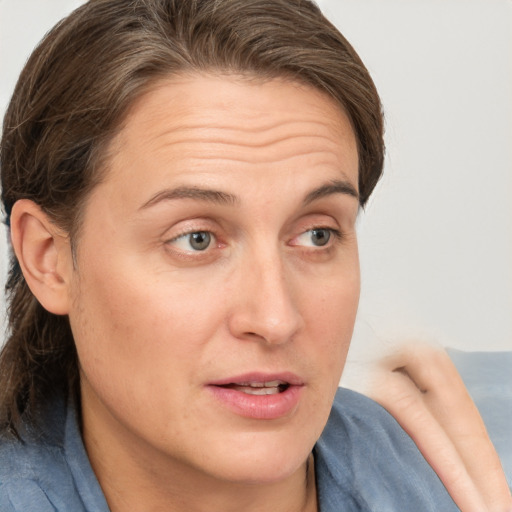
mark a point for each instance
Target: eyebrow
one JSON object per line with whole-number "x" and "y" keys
{"x": 331, "y": 188}
{"x": 201, "y": 194}
{"x": 224, "y": 198}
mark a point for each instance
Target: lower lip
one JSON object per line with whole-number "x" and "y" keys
{"x": 260, "y": 407}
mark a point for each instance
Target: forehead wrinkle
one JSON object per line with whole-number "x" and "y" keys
{"x": 222, "y": 144}
{"x": 217, "y": 128}
{"x": 245, "y": 149}
{"x": 213, "y": 122}
{"x": 162, "y": 132}
{"x": 234, "y": 137}
{"x": 264, "y": 158}
{"x": 183, "y": 112}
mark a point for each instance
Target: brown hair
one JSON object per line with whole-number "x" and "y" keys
{"x": 71, "y": 98}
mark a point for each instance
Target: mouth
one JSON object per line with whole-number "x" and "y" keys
{"x": 272, "y": 387}
{"x": 259, "y": 396}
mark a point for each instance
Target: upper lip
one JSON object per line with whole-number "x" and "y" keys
{"x": 260, "y": 378}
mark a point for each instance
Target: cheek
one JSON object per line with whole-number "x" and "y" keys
{"x": 134, "y": 330}
{"x": 141, "y": 350}
{"x": 333, "y": 301}
{"x": 331, "y": 319}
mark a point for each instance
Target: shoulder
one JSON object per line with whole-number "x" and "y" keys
{"x": 366, "y": 458}
{"x": 28, "y": 470}
{"x": 34, "y": 472}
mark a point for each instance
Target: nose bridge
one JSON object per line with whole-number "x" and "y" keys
{"x": 266, "y": 307}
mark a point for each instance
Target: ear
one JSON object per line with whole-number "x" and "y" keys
{"x": 44, "y": 255}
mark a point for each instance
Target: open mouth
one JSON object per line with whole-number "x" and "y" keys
{"x": 272, "y": 387}
{"x": 259, "y": 396}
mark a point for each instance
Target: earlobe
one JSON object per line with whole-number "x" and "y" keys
{"x": 44, "y": 255}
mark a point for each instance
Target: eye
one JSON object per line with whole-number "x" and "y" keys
{"x": 195, "y": 241}
{"x": 317, "y": 237}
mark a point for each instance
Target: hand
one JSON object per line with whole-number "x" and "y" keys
{"x": 422, "y": 389}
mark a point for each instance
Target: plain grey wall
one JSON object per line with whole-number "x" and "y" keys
{"x": 436, "y": 242}
{"x": 436, "y": 239}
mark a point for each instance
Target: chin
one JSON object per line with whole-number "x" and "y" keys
{"x": 262, "y": 459}
{"x": 262, "y": 473}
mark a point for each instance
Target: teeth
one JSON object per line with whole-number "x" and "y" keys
{"x": 274, "y": 384}
{"x": 269, "y": 384}
{"x": 258, "y": 390}
{"x": 272, "y": 387}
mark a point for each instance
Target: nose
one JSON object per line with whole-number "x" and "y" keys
{"x": 264, "y": 304}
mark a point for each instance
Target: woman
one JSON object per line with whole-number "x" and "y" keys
{"x": 181, "y": 180}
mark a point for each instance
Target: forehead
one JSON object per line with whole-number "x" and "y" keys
{"x": 200, "y": 92}
{"x": 234, "y": 132}
{"x": 250, "y": 111}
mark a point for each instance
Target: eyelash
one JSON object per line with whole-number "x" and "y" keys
{"x": 338, "y": 236}
{"x": 188, "y": 234}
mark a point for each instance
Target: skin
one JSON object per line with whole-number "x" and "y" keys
{"x": 155, "y": 321}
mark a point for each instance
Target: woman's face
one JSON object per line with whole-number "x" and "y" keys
{"x": 217, "y": 278}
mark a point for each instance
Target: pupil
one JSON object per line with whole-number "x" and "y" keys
{"x": 320, "y": 236}
{"x": 200, "y": 240}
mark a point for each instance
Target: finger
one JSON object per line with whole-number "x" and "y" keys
{"x": 398, "y": 394}
{"x": 446, "y": 396}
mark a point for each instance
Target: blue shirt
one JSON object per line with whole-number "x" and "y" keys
{"x": 364, "y": 461}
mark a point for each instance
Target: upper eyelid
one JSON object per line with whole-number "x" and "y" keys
{"x": 220, "y": 230}
{"x": 204, "y": 225}
{"x": 335, "y": 231}
{"x": 191, "y": 232}
{"x": 190, "y": 252}
{"x": 337, "y": 236}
